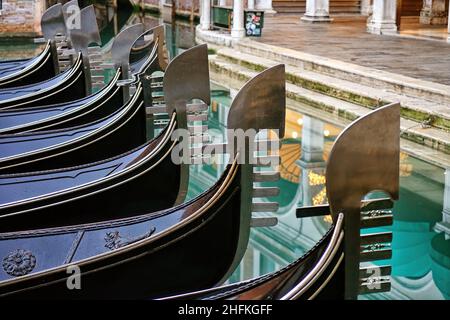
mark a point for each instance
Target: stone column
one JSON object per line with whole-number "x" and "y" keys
{"x": 222, "y": 3}
{"x": 366, "y": 7}
{"x": 448, "y": 28}
{"x": 265, "y": 5}
{"x": 317, "y": 11}
{"x": 383, "y": 19}
{"x": 311, "y": 160}
{"x": 433, "y": 12}
{"x": 444, "y": 225}
{"x": 205, "y": 17}
{"x": 237, "y": 30}
{"x": 446, "y": 210}
{"x": 251, "y": 4}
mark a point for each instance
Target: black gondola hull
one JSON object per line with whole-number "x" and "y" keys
{"x": 40, "y": 69}
{"x": 65, "y": 115}
{"x": 67, "y": 86}
{"x": 116, "y": 134}
{"x": 195, "y": 255}
{"x": 94, "y": 192}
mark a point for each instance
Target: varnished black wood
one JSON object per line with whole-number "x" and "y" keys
{"x": 95, "y": 141}
{"x": 67, "y": 86}
{"x": 133, "y": 183}
{"x": 21, "y": 73}
{"x": 275, "y": 285}
{"x": 163, "y": 262}
{"x": 65, "y": 115}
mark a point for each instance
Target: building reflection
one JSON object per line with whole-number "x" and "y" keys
{"x": 421, "y": 248}
{"x": 420, "y": 255}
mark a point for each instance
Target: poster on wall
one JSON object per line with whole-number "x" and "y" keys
{"x": 253, "y": 23}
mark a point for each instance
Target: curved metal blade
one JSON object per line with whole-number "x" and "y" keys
{"x": 52, "y": 22}
{"x": 364, "y": 158}
{"x": 187, "y": 78}
{"x": 86, "y": 32}
{"x": 123, "y": 43}
{"x": 120, "y": 52}
{"x": 143, "y": 47}
{"x": 70, "y": 9}
{"x": 261, "y": 102}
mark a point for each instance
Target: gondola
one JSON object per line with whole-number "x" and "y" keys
{"x": 194, "y": 245}
{"x": 114, "y": 134}
{"x": 64, "y": 115}
{"x": 119, "y": 132}
{"x": 38, "y": 199}
{"x": 14, "y": 73}
{"x": 364, "y": 158}
{"x": 38, "y": 69}
{"x": 70, "y": 85}
{"x": 93, "y": 107}
{"x": 67, "y": 86}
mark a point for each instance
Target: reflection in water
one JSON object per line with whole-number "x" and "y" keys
{"x": 421, "y": 256}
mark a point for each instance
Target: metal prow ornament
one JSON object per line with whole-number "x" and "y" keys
{"x": 186, "y": 79}
{"x": 82, "y": 37}
{"x": 120, "y": 52}
{"x": 259, "y": 105}
{"x": 149, "y": 63}
{"x": 52, "y": 26}
{"x": 364, "y": 158}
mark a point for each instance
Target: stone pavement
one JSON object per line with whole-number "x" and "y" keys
{"x": 345, "y": 39}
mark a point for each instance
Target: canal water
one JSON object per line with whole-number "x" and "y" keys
{"x": 421, "y": 257}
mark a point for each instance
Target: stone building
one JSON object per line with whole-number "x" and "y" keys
{"x": 21, "y": 17}
{"x": 384, "y": 16}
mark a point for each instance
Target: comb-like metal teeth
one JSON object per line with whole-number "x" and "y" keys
{"x": 156, "y": 85}
{"x": 64, "y": 64}
{"x": 68, "y": 52}
{"x": 197, "y": 107}
{"x": 266, "y": 176}
{"x": 152, "y": 77}
{"x": 160, "y": 124}
{"x": 202, "y": 138}
{"x": 156, "y": 109}
{"x": 261, "y": 192}
{"x": 197, "y": 129}
{"x": 97, "y": 78}
{"x": 94, "y": 49}
{"x": 265, "y": 206}
{"x": 107, "y": 65}
{"x": 95, "y": 58}
{"x": 373, "y": 255}
{"x": 381, "y": 237}
{"x": 375, "y": 286}
{"x": 157, "y": 94}
{"x": 377, "y": 204}
{"x": 266, "y": 161}
{"x": 374, "y": 271}
{"x": 313, "y": 211}
{"x": 263, "y": 222}
{"x": 197, "y": 117}
{"x": 201, "y": 159}
{"x": 376, "y": 218}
